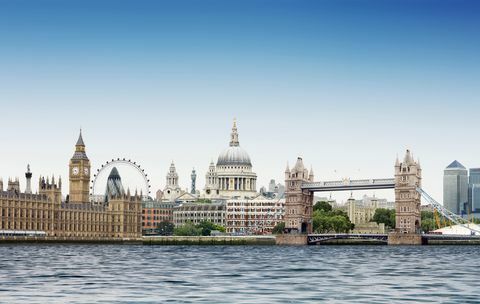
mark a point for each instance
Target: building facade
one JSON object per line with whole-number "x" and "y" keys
{"x": 196, "y": 213}
{"x": 155, "y": 212}
{"x": 474, "y": 190}
{"x": 299, "y": 203}
{"x": 254, "y": 216}
{"x": 361, "y": 212}
{"x": 408, "y": 176}
{"x": 76, "y": 217}
{"x": 455, "y": 187}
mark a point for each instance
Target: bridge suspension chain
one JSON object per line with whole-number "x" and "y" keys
{"x": 454, "y": 218}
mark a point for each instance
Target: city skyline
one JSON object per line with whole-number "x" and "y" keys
{"x": 346, "y": 88}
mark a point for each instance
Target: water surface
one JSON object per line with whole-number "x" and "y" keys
{"x": 238, "y": 274}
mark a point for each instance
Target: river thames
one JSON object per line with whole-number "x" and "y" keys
{"x": 238, "y": 274}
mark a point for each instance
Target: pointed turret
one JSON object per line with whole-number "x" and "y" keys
{"x": 80, "y": 149}
{"x": 408, "y": 158}
{"x": 299, "y": 165}
{"x": 234, "y": 136}
{"x": 80, "y": 140}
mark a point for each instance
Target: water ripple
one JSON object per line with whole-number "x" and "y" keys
{"x": 237, "y": 274}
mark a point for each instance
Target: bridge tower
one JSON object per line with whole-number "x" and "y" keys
{"x": 299, "y": 203}
{"x": 408, "y": 176}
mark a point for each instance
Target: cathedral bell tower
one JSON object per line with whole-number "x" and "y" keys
{"x": 79, "y": 174}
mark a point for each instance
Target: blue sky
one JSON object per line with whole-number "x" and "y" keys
{"x": 348, "y": 85}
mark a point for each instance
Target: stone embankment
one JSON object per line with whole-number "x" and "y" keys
{"x": 26, "y": 239}
{"x": 209, "y": 240}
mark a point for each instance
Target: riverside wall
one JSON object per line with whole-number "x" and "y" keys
{"x": 405, "y": 239}
{"x": 210, "y": 240}
{"x": 281, "y": 239}
{"x": 291, "y": 239}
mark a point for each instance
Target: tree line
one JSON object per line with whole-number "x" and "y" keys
{"x": 204, "y": 228}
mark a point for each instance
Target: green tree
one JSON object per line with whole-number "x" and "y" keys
{"x": 428, "y": 224}
{"x": 322, "y": 205}
{"x": 426, "y": 215}
{"x": 187, "y": 229}
{"x": 334, "y": 221}
{"x": 386, "y": 216}
{"x": 165, "y": 228}
{"x": 207, "y": 227}
{"x": 278, "y": 229}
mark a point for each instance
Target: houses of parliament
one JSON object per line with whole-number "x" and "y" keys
{"x": 74, "y": 217}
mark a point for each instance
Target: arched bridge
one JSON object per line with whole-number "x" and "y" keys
{"x": 328, "y": 237}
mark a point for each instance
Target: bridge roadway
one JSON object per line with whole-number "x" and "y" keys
{"x": 347, "y": 184}
{"x": 383, "y": 238}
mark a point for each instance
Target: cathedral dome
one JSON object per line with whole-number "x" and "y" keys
{"x": 234, "y": 155}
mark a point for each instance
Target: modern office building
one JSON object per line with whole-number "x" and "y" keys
{"x": 474, "y": 190}
{"x": 455, "y": 187}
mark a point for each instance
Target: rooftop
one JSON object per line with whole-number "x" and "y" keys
{"x": 456, "y": 165}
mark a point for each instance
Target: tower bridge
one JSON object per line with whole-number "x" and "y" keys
{"x": 300, "y": 188}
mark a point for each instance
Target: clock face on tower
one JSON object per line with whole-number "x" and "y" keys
{"x": 75, "y": 171}
{"x": 85, "y": 171}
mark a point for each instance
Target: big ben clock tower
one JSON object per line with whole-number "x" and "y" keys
{"x": 79, "y": 173}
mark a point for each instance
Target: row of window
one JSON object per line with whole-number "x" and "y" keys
{"x": 156, "y": 218}
{"x": 254, "y": 217}
{"x": 254, "y": 204}
{"x": 253, "y": 210}
{"x": 157, "y": 211}
{"x": 180, "y": 215}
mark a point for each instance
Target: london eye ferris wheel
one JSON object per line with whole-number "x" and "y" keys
{"x": 133, "y": 178}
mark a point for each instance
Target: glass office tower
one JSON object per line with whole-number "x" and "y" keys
{"x": 455, "y": 187}
{"x": 474, "y": 190}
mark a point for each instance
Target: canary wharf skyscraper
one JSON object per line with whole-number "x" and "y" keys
{"x": 474, "y": 189}
{"x": 455, "y": 187}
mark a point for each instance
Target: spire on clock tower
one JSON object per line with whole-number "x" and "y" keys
{"x": 79, "y": 173}
{"x": 80, "y": 148}
{"x": 80, "y": 140}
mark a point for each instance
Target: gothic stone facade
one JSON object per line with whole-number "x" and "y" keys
{"x": 76, "y": 217}
{"x": 408, "y": 176}
{"x": 299, "y": 203}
